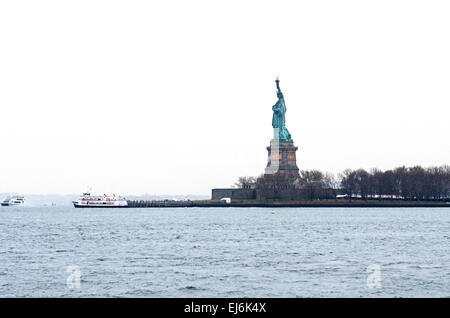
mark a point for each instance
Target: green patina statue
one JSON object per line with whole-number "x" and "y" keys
{"x": 278, "y": 119}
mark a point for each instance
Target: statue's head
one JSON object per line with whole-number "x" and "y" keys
{"x": 280, "y": 95}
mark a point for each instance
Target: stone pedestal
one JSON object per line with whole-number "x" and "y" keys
{"x": 282, "y": 159}
{"x": 281, "y": 177}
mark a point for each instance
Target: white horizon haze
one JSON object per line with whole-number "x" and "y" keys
{"x": 137, "y": 97}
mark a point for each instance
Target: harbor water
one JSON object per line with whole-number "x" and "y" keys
{"x": 60, "y": 251}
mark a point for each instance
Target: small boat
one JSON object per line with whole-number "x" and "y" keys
{"x": 87, "y": 200}
{"x": 13, "y": 200}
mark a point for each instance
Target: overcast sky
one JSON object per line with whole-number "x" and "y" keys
{"x": 175, "y": 97}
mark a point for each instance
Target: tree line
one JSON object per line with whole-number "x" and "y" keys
{"x": 416, "y": 183}
{"x": 411, "y": 183}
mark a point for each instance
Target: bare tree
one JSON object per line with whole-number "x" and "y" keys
{"x": 246, "y": 183}
{"x": 349, "y": 183}
{"x": 313, "y": 182}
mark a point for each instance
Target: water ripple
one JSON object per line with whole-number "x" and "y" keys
{"x": 229, "y": 252}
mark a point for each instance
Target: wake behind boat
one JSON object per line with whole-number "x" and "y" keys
{"x": 87, "y": 200}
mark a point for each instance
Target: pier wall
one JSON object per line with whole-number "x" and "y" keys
{"x": 310, "y": 204}
{"x": 270, "y": 194}
{"x": 234, "y": 194}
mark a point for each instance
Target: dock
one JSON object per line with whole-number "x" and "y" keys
{"x": 159, "y": 204}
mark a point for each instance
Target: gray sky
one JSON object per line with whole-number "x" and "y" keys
{"x": 175, "y": 97}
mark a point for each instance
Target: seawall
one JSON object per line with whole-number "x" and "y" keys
{"x": 287, "y": 204}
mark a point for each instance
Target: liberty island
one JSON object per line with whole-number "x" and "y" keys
{"x": 281, "y": 183}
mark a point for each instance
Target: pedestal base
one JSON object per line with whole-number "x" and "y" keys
{"x": 282, "y": 159}
{"x": 281, "y": 177}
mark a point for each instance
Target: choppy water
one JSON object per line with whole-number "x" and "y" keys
{"x": 227, "y": 252}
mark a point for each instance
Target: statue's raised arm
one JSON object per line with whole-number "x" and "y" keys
{"x": 278, "y": 84}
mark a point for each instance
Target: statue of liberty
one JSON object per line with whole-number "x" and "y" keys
{"x": 279, "y": 119}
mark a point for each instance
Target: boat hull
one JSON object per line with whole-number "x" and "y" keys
{"x": 11, "y": 204}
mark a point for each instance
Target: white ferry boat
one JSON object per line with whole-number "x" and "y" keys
{"x": 87, "y": 200}
{"x": 13, "y": 200}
